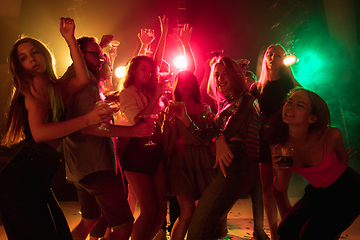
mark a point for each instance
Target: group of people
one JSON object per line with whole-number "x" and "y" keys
{"x": 205, "y": 158}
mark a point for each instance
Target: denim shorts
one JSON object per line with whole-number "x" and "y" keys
{"x": 103, "y": 193}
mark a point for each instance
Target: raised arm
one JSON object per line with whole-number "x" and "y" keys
{"x": 72, "y": 85}
{"x": 145, "y": 40}
{"x": 160, "y": 49}
{"x": 105, "y": 40}
{"x": 108, "y": 65}
{"x": 184, "y": 37}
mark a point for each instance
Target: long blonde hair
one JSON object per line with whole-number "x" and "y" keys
{"x": 23, "y": 84}
{"x": 285, "y": 71}
{"x": 234, "y": 72}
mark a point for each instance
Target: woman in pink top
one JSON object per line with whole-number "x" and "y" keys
{"x": 331, "y": 201}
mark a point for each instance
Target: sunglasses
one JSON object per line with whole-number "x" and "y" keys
{"x": 99, "y": 55}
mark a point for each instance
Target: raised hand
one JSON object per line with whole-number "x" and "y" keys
{"x": 67, "y": 30}
{"x": 164, "y": 24}
{"x": 145, "y": 38}
{"x": 185, "y": 34}
{"x": 106, "y": 39}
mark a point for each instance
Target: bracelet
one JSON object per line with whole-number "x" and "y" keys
{"x": 76, "y": 45}
{"x": 219, "y": 135}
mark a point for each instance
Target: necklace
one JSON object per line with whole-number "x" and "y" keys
{"x": 229, "y": 97}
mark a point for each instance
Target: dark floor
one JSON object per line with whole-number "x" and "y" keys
{"x": 240, "y": 222}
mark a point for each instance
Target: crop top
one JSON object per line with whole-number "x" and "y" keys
{"x": 273, "y": 96}
{"x": 25, "y": 113}
{"x": 325, "y": 173}
{"x": 239, "y": 117}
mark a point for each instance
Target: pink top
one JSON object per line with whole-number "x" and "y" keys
{"x": 325, "y": 173}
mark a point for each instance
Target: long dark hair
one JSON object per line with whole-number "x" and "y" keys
{"x": 276, "y": 131}
{"x": 133, "y": 64}
{"x": 23, "y": 83}
{"x": 187, "y": 75}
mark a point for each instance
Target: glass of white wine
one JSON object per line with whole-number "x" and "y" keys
{"x": 114, "y": 105}
{"x": 147, "y": 117}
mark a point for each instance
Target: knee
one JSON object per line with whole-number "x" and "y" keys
{"x": 279, "y": 194}
{"x": 149, "y": 211}
{"x": 185, "y": 219}
{"x": 87, "y": 224}
{"x": 267, "y": 193}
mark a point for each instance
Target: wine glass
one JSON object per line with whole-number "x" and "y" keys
{"x": 113, "y": 47}
{"x": 114, "y": 44}
{"x": 151, "y": 34}
{"x": 114, "y": 105}
{"x": 144, "y": 118}
{"x": 286, "y": 154}
{"x": 176, "y": 107}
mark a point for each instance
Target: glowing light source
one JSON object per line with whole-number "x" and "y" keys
{"x": 180, "y": 62}
{"x": 120, "y": 71}
{"x": 290, "y": 60}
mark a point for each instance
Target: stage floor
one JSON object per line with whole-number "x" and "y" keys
{"x": 240, "y": 221}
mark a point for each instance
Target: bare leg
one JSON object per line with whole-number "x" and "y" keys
{"x": 181, "y": 226}
{"x": 122, "y": 234}
{"x": 282, "y": 201}
{"x": 82, "y": 230}
{"x": 159, "y": 182}
{"x": 266, "y": 175}
{"x": 150, "y": 191}
{"x": 258, "y": 205}
{"x": 131, "y": 199}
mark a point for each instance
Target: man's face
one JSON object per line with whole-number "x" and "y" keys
{"x": 94, "y": 57}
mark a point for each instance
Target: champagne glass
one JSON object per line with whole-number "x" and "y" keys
{"x": 286, "y": 154}
{"x": 114, "y": 44}
{"x": 112, "y": 52}
{"x": 144, "y": 118}
{"x": 176, "y": 107}
{"x": 151, "y": 34}
{"x": 114, "y": 105}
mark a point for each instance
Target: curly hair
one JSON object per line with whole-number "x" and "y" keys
{"x": 129, "y": 78}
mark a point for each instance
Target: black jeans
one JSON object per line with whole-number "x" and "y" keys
{"x": 324, "y": 213}
{"x": 28, "y": 207}
{"x": 221, "y": 194}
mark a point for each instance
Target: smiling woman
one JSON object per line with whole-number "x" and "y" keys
{"x": 320, "y": 156}
{"x": 235, "y": 129}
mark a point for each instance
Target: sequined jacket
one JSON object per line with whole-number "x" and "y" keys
{"x": 233, "y": 120}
